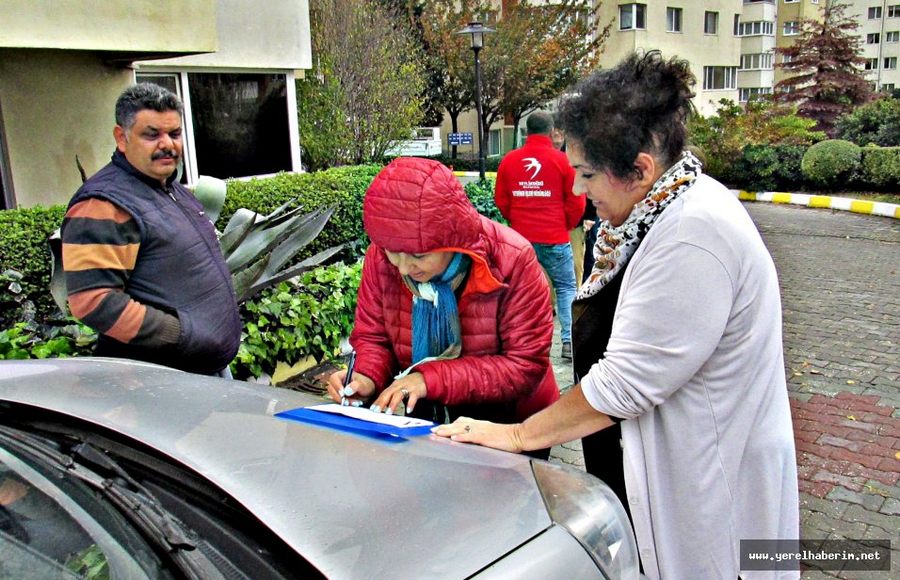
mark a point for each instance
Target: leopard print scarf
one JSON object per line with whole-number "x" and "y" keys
{"x": 616, "y": 245}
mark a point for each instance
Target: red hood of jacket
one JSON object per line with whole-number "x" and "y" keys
{"x": 416, "y": 205}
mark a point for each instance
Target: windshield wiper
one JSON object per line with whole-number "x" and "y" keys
{"x": 131, "y": 498}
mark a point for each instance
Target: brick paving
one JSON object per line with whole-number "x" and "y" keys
{"x": 840, "y": 281}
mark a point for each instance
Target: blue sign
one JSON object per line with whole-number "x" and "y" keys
{"x": 459, "y": 138}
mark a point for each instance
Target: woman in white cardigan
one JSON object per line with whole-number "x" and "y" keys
{"x": 689, "y": 363}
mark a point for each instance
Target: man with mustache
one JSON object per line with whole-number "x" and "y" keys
{"x": 142, "y": 262}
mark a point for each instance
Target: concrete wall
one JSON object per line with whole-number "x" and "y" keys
{"x": 271, "y": 35}
{"x": 50, "y": 117}
{"x": 162, "y": 26}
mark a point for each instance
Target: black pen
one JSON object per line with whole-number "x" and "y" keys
{"x": 347, "y": 378}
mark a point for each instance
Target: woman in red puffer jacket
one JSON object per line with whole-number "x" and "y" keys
{"x": 471, "y": 288}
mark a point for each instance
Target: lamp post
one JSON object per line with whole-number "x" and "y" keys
{"x": 477, "y": 31}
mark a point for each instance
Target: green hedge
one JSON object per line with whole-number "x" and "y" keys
{"x": 298, "y": 318}
{"x": 341, "y": 187}
{"x": 467, "y": 163}
{"x": 880, "y": 167}
{"x": 23, "y": 248}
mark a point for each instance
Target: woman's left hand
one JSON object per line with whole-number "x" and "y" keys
{"x": 411, "y": 388}
{"x": 495, "y": 435}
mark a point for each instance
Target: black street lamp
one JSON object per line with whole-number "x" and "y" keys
{"x": 478, "y": 30}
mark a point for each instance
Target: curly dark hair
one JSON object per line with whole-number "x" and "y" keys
{"x": 640, "y": 105}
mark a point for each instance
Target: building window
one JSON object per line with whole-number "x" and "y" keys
{"x": 894, "y": 11}
{"x": 893, "y": 36}
{"x": 756, "y": 28}
{"x": 890, "y": 63}
{"x": 888, "y": 87}
{"x": 786, "y": 58}
{"x": 719, "y": 77}
{"x": 791, "y": 1}
{"x": 874, "y": 12}
{"x": 748, "y": 93}
{"x": 873, "y": 38}
{"x": 673, "y": 19}
{"x": 871, "y": 64}
{"x": 711, "y": 23}
{"x": 632, "y": 17}
{"x": 760, "y": 61}
{"x": 791, "y": 28}
{"x": 495, "y": 140}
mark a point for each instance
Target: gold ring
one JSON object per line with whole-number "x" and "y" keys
{"x": 468, "y": 428}
{"x": 405, "y": 393}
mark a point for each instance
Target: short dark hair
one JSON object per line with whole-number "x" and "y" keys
{"x": 640, "y": 105}
{"x": 539, "y": 123}
{"x": 143, "y": 96}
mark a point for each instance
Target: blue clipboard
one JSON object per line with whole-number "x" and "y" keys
{"x": 336, "y": 421}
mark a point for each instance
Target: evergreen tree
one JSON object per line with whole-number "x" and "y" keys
{"x": 825, "y": 67}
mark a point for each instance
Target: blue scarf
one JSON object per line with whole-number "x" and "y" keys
{"x": 435, "y": 317}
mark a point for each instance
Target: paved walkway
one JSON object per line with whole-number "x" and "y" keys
{"x": 840, "y": 280}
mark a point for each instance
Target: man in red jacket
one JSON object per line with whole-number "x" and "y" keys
{"x": 534, "y": 192}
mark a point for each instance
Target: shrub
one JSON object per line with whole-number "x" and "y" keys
{"x": 23, "y": 248}
{"x": 881, "y": 167}
{"x": 468, "y": 163}
{"x": 877, "y": 122}
{"x": 723, "y": 137}
{"x": 307, "y": 316}
{"x": 341, "y": 187}
{"x": 481, "y": 194}
{"x": 830, "y": 163}
{"x": 25, "y": 340}
{"x": 769, "y": 168}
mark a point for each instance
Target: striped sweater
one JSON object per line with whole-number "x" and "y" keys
{"x": 100, "y": 247}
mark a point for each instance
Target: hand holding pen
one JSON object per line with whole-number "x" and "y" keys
{"x": 345, "y": 387}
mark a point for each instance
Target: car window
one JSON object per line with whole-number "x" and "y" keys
{"x": 50, "y": 526}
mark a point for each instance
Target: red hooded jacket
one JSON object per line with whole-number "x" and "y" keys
{"x": 504, "y": 374}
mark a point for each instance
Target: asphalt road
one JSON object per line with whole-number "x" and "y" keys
{"x": 840, "y": 283}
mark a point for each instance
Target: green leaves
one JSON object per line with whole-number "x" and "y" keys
{"x": 25, "y": 340}
{"x": 304, "y": 316}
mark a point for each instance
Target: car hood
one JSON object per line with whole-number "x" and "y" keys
{"x": 352, "y": 505}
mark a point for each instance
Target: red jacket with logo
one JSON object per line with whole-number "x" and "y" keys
{"x": 415, "y": 206}
{"x": 534, "y": 192}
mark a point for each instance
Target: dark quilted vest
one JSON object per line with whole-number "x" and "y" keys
{"x": 179, "y": 269}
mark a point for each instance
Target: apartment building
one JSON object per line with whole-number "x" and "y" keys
{"x": 703, "y": 33}
{"x": 879, "y": 29}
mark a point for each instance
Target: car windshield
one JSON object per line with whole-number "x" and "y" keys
{"x": 52, "y": 526}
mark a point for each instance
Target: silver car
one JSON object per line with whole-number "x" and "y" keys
{"x": 118, "y": 469}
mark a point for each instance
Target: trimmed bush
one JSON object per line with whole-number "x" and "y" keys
{"x": 306, "y": 316}
{"x": 881, "y": 167}
{"x": 831, "y": 163}
{"x": 23, "y": 248}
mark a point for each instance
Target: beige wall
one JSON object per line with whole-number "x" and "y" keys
{"x": 50, "y": 117}
{"x": 722, "y": 49}
{"x": 272, "y": 35}
{"x": 160, "y": 26}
